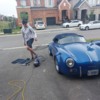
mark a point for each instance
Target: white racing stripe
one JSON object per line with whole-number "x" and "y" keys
{"x": 12, "y": 48}
{"x": 12, "y": 35}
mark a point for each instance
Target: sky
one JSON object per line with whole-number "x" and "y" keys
{"x": 8, "y": 7}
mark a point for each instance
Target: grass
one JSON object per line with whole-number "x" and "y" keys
{"x": 16, "y": 30}
{"x": 89, "y": 40}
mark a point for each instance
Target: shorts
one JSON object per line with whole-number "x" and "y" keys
{"x": 30, "y": 42}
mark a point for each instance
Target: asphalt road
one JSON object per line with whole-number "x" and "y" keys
{"x": 41, "y": 83}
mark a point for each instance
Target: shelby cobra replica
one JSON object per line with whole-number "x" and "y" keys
{"x": 74, "y": 56}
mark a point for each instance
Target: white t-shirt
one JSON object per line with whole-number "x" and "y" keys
{"x": 28, "y": 33}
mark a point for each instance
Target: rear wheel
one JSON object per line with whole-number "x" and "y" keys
{"x": 67, "y": 26}
{"x": 86, "y": 28}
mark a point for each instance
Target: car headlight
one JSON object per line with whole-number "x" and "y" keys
{"x": 70, "y": 62}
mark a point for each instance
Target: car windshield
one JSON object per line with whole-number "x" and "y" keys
{"x": 71, "y": 39}
{"x": 40, "y": 22}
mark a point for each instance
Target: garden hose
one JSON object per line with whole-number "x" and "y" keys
{"x": 20, "y": 89}
{"x": 16, "y": 82}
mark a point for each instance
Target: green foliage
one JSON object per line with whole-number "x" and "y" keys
{"x": 91, "y": 15}
{"x": 4, "y": 25}
{"x": 16, "y": 30}
{"x": 24, "y": 15}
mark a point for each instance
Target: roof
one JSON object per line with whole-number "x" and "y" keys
{"x": 59, "y": 36}
{"x": 79, "y": 3}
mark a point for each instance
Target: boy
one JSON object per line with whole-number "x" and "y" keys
{"x": 29, "y": 37}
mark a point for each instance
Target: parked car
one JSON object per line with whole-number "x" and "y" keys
{"x": 74, "y": 56}
{"x": 40, "y": 25}
{"x": 90, "y": 25}
{"x": 72, "y": 23}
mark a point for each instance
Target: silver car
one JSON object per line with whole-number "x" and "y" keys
{"x": 40, "y": 25}
{"x": 72, "y": 23}
{"x": 90, "y": 25}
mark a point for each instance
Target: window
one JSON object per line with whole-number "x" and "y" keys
{"x": 49, "y": 3}
{"x": 36, "y": 3}
{"x": 76, "y": 21}
{"x": 98, "y": 2}
{"x": 23, "y": 2}
{"x": 99, "y": 17}
{"x": 71, "y": 39}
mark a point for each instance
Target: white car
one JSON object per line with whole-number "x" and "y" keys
{"x": 72, "y": 23}
{"x": 40, "y": 25}
{"x": 90, "y": 25}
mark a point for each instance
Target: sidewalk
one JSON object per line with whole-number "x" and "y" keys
{"x": 54, "y": 26}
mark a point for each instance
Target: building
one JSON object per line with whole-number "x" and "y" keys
{"x": 85, "y": 9}
{"x": 95, "y": 8}
{"x": 50, "y": 11}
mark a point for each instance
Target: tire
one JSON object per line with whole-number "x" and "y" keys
{"x": 67, "y": 26}
{"x": 50, "y": 53}
{"x": 57, "y": 67}
{"x": 79, "y": 25}
{"x": 86, "y": 28}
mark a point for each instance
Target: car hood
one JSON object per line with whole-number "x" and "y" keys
{"x": 83, "y": 52}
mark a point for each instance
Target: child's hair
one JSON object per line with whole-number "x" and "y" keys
{"x": 24, "y": 21}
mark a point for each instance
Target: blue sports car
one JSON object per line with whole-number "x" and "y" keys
{"x": 74, "y": 56}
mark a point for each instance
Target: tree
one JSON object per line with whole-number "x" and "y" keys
{"x": 92, "y": 16}
{"x": 24, "y": 15}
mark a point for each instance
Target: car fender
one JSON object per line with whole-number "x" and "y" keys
{"x": 61, "y": 57}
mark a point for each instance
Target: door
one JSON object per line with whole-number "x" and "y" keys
{"x": 84, "y": 15}
{"x": 99, "y": 17}
{"x": 64, "y": 16}
{"x": 63, "y": 13}
{"x": 95, "y": 25}
{"x": 51, "y": 21}
{"x": 74, "y": 23}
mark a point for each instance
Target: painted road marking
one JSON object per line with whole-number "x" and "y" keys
{"x": 22, "y": 47}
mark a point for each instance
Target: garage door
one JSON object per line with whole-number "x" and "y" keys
{"x": 51, "y": 20}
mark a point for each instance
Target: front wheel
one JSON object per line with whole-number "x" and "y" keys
{"x": 86, "y": 28}
{"x": 57, "y": 67}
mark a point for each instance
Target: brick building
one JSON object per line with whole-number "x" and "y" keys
{"x": 50, "y": 11}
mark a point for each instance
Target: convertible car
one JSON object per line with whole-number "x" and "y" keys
{"x": 74, "y": 56}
